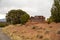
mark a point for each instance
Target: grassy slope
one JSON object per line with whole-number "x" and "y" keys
{"x": 33, "y": 31}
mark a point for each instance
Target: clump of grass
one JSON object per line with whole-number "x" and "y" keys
{"x": 47, "y": 32}
{"x": 58, "y": 32}
{"x": 50, "y": 26}
{"x": 34, "y": 27}
{"x": 46, "y": 39}
{"x": 40, "y": 36}
{"x": 2, "y": 24}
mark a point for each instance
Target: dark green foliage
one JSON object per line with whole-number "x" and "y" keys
{"x": 24, "y": 18}
{"x": 17, "y": 17}
{"x": 49, "y": 20}
{"x": 3, "y": 24}
{"x": 55, "y": 11}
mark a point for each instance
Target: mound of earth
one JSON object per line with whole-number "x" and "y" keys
{"x": 33, "y": 31}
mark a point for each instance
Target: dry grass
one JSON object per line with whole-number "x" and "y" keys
{"x": 33, "y": 31}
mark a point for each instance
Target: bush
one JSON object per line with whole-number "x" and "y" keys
{"x": 34, "y": 27}
{"x": 39, "y": 36}
{"x": 49, "y": 20}
{"x": 24, "y": 18}
{"x": 58, "y": 32}
{"x": 2, "y": 24}
{"x": 17, "y": 17}
{"x": 55, "y": 11}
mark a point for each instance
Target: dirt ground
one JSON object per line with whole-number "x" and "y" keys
{"x": 33, "y": 31}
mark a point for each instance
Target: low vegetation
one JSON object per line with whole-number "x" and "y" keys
{"x": 58, "y": 32}
{"x": 34, "y": 27}
{"x": 55, "y": 12}
{"x": 40, "y": 36}
{"x": 3, "y": 24}
{"x": 30, "y": 32}
{"x": 17, "y": 17}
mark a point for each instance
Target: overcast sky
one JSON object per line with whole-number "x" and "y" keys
{"x": 32, "y": 7}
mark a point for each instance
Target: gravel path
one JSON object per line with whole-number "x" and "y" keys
{"x": 3, "y": 36}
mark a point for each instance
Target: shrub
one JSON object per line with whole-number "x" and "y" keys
{"x": 2, "y": 24}
{"x": 17, "y": 17}
{"x": 58, "y": 32}
{"x": 55, "y": 11}
{"x": 49, "y": 20}
{"x": 39, "y": 36}
{"x": 33, "y": 27}
{"x": 24, "y": 18}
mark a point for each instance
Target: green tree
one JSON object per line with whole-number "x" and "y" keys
{"x": 55, "y": 11}
{"x": 24, "y": 18}
{"x": 49, "y": 20}
{"x": 15, "y": 16}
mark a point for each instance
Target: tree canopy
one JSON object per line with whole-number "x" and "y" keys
{"x": 17, "y": 17}
{"x": 55, "y": 11}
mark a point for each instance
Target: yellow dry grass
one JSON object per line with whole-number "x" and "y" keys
{"x": 33, "y": 31}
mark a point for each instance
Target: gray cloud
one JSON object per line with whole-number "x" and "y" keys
{"x": 33, "y": 7}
